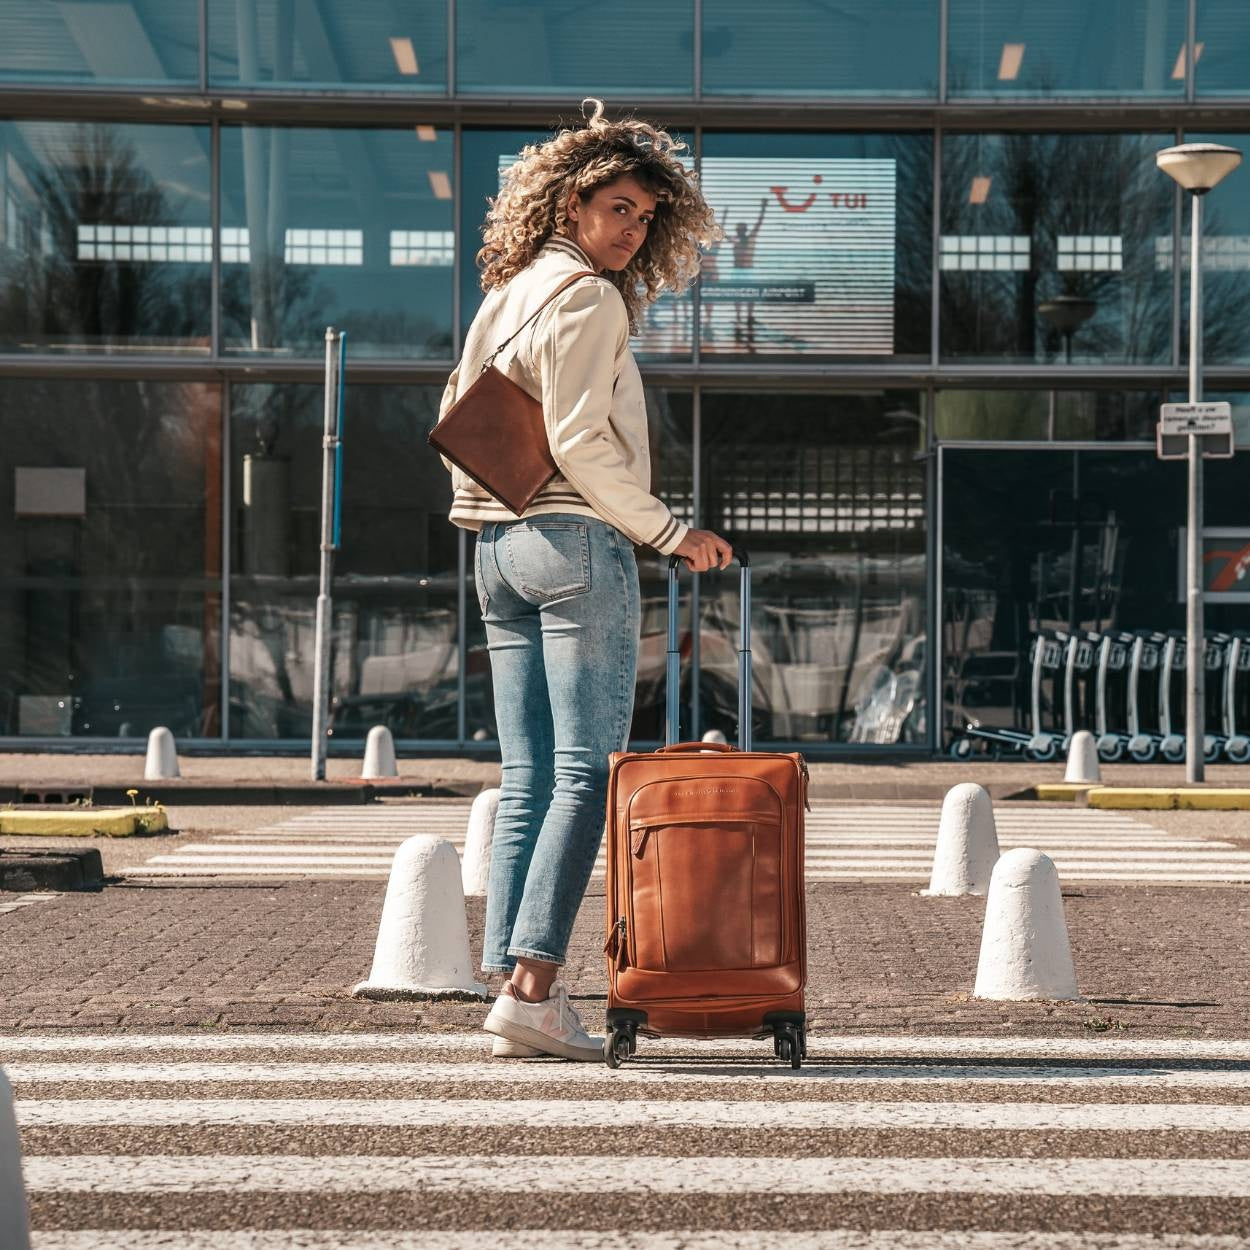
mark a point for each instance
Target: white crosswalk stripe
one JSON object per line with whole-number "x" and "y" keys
{"x": 97, "y": 1166}
{"x": 844, "y": 842}
{"x": 646, "y": 1175}
{"x": 27, "y": 900}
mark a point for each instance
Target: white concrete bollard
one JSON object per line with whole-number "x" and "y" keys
{"x": 967, "y": 843}
{"x": 423, "y": 940}
{"x": 1083, "y": 758}
{"x": 162, "y": 761}
{"x": 714, "y": 735}
{"x": 379, "y": 754}
{"x": 475, "y": 869}
{"x": 14, "y": 1224}
{"x": 1024, "y": 945}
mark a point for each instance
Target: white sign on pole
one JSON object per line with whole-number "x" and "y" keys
{"x": 1212, "y": 423}
{"x": 1212, "y": 418}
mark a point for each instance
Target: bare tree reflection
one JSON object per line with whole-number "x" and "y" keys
{"x": 51, "y": 295}
{"x": 1043, "y": 186}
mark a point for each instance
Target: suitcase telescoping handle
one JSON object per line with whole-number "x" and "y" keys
{"x": 673, "y": 674}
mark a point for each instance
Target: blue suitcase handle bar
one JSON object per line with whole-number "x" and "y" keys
{"x": 672, "y": 711}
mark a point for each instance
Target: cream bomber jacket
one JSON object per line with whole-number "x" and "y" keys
{"x": 575, "y": 358}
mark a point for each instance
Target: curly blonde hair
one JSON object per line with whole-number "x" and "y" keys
{"x": 533, "y": 205}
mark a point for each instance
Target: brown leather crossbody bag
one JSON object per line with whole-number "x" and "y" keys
{"x": 495, "y": 431}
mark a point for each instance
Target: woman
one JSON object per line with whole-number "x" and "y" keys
{"x": 558, "y": 587}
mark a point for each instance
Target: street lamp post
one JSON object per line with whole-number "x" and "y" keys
{"x": 1197, "y": 167}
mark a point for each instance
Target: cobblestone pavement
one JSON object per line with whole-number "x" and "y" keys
{"x": 1160, "y": 960}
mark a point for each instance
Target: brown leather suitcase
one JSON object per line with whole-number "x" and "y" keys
{"x": 706, "y": 926}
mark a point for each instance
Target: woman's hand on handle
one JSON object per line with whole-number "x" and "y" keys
{"x": 702, "y": 550}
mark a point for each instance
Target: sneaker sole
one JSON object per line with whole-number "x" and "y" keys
{"x": 503, "y": 1048}
{"x": 544, "y": 1042}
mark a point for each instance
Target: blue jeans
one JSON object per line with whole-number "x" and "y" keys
{"x": 560, "y": 601}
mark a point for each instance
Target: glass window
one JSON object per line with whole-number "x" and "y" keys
{"x": 1079, "y": 543}
{"x": 351, "y": 228}
{"x": 1222, "y": 48}
{"x": 827, "y": 494}
{"x": 1239, "y": 401}
{"x": 671, "y": 424}
{"x": 105, "y": 237}
{"x": 110, "y": 558}
{"x": 1046, "y": 415}
{"x": 395, "y": 655}
{"x": 562, "y": 48}
{"x": 1116, "y": 48}
{"x": 1225, "y": 260}
{"x": 667, "y": 325}
{"x": 828, "y": 249}
{"x": 328, "y": 44}
{"x": 140, "y": 42}
{"x": 809, "y": 47}
{"x": 1054, "y": 249}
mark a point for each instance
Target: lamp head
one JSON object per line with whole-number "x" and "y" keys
{"x": 1198, "y": 166}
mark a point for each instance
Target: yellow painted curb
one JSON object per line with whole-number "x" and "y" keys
{"x": 1062, "y": 791}
{"x": 1225, "y": 799}
{"x": 86, "y": 822}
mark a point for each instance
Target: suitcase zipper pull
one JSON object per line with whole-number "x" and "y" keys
{"x": 615, "y": 945}
{"x": 640, "y": 839}
{"x": 807, "y": 803}
{"x": 615, "y": 938}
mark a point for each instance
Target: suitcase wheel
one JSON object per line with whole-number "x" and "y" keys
{"x": 619, "y": 1044}
{"x": 790, "y": 1044}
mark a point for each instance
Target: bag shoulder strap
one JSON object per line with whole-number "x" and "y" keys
{"x": 568, "y": 282}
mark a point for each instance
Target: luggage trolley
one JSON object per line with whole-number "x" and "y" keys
{"x": 1046, "y": 655}
{"x": 1113, "y": 654}
{"x": 1171, "y": 661}
{"x": 1236, "y": 743}
{"x": 1216, "y": 656}
{"x": 1143, "y": 658}
{"x": 1079, "y": 653}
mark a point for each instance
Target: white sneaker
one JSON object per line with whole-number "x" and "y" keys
{"x": 551, "y": 1026}
{"x": 502, "y": 1048}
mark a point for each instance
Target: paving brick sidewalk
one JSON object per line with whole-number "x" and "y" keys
{"x": 1152, "y": 961}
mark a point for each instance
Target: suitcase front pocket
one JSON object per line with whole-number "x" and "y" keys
{"x": 706, "y": 892}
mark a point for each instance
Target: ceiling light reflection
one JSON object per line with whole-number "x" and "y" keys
{"x": 405, "y": 56}
{"x": 1009, "y": 63}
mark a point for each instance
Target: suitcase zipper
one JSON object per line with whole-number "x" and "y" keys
{"x": 615, "y": 945}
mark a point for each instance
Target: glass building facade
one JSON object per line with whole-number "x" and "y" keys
{"x": 918, "y": 379}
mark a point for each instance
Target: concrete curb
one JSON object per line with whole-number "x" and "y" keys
{"x": 248, "y": 794}
{"x": 89, "y": 822}
{"x": 1063, "y": 791}
{"x": 25, "y": 870}
{"x": 1144, "y": 798}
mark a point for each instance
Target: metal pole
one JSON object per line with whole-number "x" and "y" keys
{"x": 321, "y": 671}
{"x": 1195, "y": 655}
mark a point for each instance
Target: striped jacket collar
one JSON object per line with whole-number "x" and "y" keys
{"x": 559, "y": 243}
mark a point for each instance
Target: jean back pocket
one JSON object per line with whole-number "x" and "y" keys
{"x": 550, "y": 559}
